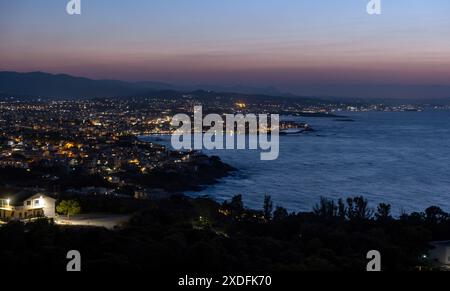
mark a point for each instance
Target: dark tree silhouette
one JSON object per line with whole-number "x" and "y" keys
{"x": 383, "y": 212}
{"x": 326, "y": 208}
{"x": 268, "y": 207}
{"x": 435, "y": 214}
{"x": 358, "y": 208}
{"x": 342, "y": 211}
{"x": 280, "y": 213}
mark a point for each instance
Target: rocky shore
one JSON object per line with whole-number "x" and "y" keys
{"x": 200, "y": 170}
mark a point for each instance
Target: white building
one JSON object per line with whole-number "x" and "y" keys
{"x": 25, "y": 206}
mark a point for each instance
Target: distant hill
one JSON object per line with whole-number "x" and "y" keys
{"x": 66, "y": 86}
{"x": 62, "y": 86}
{"x": 41, "y": 84}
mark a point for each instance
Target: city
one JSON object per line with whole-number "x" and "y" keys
{"x": 204, "y": 144}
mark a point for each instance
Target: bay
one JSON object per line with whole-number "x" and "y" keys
{"x": 401, "y": 158}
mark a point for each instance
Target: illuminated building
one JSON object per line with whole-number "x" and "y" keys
{"x": 25, "y": 206}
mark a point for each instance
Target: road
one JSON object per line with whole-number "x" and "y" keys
{"x": 108, "y": 221}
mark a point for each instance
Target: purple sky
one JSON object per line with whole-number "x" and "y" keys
{"x": 282, "y": 43}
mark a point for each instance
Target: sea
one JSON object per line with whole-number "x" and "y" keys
{"x": 400, "y": 158}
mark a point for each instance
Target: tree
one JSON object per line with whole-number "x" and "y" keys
{"x": 235, "y": 207}
{"x": 268, "y": 207}
{"x": 236, "y": 203}
{"x": 326, "y": 208}
{"x": 358, "y": 208}
{"x": 383, "y": 212}
{"x": 342, "y": 211}
{"x": 68, "y": 208}
{"x": 280, "y": 213}
{"x": 435, "y": 214}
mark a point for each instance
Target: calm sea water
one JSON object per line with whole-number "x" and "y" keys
{"x": 401, "y": 158}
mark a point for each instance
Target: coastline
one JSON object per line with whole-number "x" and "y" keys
{"x": 194, "y": 171}
{"x": 363, "y": 157}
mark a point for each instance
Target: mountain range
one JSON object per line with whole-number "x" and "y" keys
{"x": 66, "y": 86}
{"x": 41, "y": 84}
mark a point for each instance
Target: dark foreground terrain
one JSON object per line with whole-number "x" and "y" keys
{"x": 184, "y": 234}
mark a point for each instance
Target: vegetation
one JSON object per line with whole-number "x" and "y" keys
{"x": 185, "y": 234}
{"x": 68, "y": 207}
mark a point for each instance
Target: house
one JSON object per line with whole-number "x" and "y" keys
{"x": 440, "y": 253}
{"x": 25, "y": 205}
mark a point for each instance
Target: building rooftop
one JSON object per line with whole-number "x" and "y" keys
{"x": 17, "y": 199}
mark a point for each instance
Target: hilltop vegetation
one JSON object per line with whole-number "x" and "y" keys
{"x": 184, "y": 234}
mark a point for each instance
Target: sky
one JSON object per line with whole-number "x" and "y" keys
{"x": 287, "y": 44}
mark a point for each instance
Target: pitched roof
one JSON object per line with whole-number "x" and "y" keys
{"x": 17, "y": 199}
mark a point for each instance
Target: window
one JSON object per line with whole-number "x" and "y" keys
{"x": 36, "y": 202}
{"x": 29, "y": 203}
